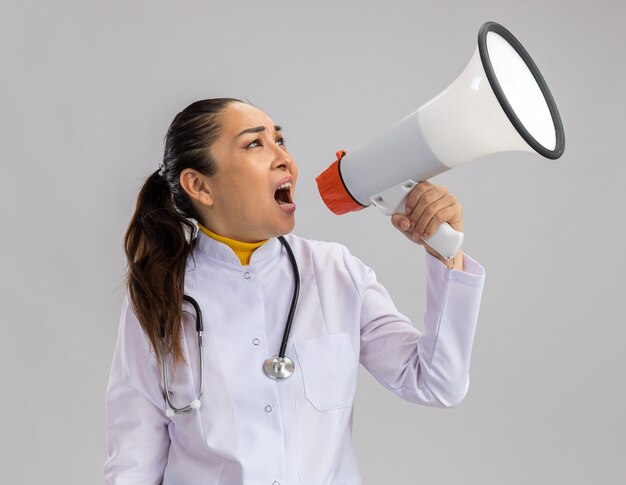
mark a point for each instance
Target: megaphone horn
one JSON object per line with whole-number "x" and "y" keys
{"x": 500, "y": 102}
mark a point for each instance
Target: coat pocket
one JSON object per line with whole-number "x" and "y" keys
{"x": 329, "y": 369}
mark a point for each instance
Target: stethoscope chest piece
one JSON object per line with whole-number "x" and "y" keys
{"x": 278, "y": 367}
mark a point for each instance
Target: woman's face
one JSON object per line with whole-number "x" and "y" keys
{"x": 252, "y": 162}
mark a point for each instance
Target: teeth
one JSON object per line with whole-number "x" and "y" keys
{"x": 287, "y": 186}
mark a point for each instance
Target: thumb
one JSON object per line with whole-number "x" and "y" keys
{"x": 401, "y": 222}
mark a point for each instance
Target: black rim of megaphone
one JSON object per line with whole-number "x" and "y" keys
{"x": 508, "y": 109}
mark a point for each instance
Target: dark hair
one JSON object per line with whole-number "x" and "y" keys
{"x": 156, "y": 244}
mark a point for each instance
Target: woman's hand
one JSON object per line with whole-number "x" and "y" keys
{"x": 427, "y": 207}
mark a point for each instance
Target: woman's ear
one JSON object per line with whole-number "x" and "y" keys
{"x": 197, "y": 186}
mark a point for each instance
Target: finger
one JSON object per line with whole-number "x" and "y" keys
{"x": 400, "y": 222}
{"x": 415, "y": 194}
{"x": 428, "y": 198}
{"x": 430, "y": 215}
{"x": 443, "y": 215}
{"x": 397, "y": 220}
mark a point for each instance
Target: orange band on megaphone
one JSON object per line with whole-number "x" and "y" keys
{"x": 333, "y": 191}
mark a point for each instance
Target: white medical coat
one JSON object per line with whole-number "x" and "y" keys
{"x": 254, "y": 430}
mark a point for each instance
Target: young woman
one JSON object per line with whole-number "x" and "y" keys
{"x": 227, "y": 412}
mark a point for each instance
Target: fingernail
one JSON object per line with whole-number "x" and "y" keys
{"x": 404, "y": 224}
{"x": 424, "y": 236}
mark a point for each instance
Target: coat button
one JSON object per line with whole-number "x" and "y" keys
{"x": 255, "y": 341}
{"x": 268, "y": 409}
{"x": 246, "y": 275}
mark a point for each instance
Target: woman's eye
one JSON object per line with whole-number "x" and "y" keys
{"x": 281, "y": 141}
{"x": 254, "y": 144}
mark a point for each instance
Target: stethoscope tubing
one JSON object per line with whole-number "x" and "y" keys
{"x": 171, "y": 409}
{"x": 294, "y": 299}
{"x": 199, "y": 330}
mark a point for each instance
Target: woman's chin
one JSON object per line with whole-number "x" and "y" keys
{"x": 285, "y": 227}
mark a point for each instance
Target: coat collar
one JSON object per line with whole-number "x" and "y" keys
{"x": 219, "y": 251}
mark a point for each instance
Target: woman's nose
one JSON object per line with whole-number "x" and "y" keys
{"x": 283, "y": 163}
{"x": 283, "y": 159}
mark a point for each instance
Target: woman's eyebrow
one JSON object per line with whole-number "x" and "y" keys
{"x": 257, "y": 129}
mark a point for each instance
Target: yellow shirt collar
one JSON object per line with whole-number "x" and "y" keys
{"x": 243, "y": 250}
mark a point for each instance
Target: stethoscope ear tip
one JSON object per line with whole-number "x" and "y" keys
{"x": 169, "y": 412}
{"x": 191, "y": 234}
{"x": 195, "y": 404}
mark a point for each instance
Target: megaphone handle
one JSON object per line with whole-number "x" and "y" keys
{"x": 446, "y": 241}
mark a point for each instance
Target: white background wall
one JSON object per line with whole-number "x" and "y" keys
{"x": 87, "y": 91}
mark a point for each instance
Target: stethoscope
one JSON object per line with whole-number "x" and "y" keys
{"x": 275, "y": 367}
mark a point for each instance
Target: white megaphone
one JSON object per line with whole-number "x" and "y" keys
{"x": 499, "y": 103}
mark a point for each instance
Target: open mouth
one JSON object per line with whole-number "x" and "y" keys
{"x": 283, "y": 194}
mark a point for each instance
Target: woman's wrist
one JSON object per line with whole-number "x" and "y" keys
{"x": 456, "y": 262}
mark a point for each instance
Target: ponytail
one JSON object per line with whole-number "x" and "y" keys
{"x": 157, "y": 242}
{"x": 157, "y": 249}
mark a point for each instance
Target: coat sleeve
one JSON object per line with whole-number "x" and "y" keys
{"x": 136, "y": 426}
{"x": 430, "y": 368}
